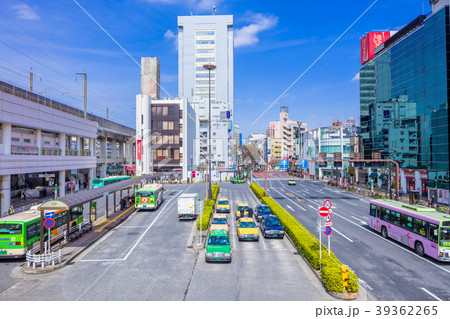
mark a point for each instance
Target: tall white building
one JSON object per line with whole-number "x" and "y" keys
{"x": 202, "y": 40}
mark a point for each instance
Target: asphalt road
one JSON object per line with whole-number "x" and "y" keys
{"x": 387, "y": 269}
{"x": 149, "y": 257}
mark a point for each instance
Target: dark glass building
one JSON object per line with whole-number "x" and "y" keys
{"x": 404, "y": 96}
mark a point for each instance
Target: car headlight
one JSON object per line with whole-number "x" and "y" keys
{"x": 227, "y": 254}
{"x": 208, "y": 254}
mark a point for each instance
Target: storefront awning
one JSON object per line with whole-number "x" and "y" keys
{"x": 382, "y": 176}
{"x": 373, "y": 175}
{"x": 326, "y": 173}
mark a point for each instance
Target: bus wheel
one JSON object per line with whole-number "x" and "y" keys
{"x": 419, "y": 249}
{"x": 384, "y": 232}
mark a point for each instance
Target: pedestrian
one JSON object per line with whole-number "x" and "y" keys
{"x": 359, "y": 190}
{"x": 122, "y": 203}
{"x": 23, "y": 197}
{"x": 11, "y": 210}
{"x": 432, "y": 201}
{"x": 85, "y": 184}
{"x": 429, "y": 201}
{"x": 250, "y": 212}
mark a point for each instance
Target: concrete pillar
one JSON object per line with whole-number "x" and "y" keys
{"x": 91, "y": 177}
{"x": 92, "y": 146}
{"x": 103, "y": 149}
{"x": 62, "y": 184}
{"x": 6, "y": 138}
{"x": 79, "y": 145}
{"x": 39, "y": 141}
{"x": 62, "y": 143}
{"x": 113, "y": 148}
{"x": 5, "y": 194}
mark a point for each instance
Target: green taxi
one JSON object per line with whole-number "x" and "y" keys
{"x": 218, "y": 246}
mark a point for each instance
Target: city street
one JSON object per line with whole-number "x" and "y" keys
{"x": 149, "y": 257}
{"x": 387, "y": 269}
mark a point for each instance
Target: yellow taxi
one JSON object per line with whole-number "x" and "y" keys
{"x": 223, "y": 205}
{"x": 246, "y": 229}
{"x": 244, "y": 207}
{"x": 291, "y": 182}
{"x": 220, "y": 221}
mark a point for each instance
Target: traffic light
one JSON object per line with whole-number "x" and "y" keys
{"x": 345, "y": 275}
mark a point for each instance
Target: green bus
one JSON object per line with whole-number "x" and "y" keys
{"x": 20, "y": 232}
{"x": 99, "y": 182}
{"x": 148, "y": 197}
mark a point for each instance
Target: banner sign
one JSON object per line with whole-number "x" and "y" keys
{"x": 139, "y": 149}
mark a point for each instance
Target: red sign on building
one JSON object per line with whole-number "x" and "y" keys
{"x": 370, "y": 42}
{"x": 139, "y": 149}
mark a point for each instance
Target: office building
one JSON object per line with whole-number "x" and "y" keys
{"x": 404, "y": 103}
{"x": 202, "y": 40}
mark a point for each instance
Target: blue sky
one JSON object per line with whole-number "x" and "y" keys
{"x": 275, "y": 42}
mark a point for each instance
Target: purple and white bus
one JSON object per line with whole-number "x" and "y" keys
{"x": 421, "y": 228}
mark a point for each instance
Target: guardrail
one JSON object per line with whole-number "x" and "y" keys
{"x": 44, "y": 260}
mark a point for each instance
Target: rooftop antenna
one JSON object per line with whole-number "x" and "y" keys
{"x": 191, "y": 13}
{"x": 214, "y": 9}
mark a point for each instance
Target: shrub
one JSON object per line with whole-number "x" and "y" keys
{"x": 259, "y": 192}
{"x": 308, "y": 245}
{"x": 208, "y": 208}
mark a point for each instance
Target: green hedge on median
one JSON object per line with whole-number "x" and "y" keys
{"x": 208, "y": 208}
{"x": 308, "y": 245}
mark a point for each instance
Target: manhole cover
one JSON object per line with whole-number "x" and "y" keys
{"x": 133, "y": 233}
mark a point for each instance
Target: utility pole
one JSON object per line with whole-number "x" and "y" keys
{"x": 85, "y": 92}
{"x": 31, "y": 78}
{"x": 107, "y": 113}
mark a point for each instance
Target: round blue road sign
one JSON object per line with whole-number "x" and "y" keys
{"x": 328, "y": 230}
{"x": 49, "y": 223}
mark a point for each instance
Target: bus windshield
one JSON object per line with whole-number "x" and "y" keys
{"x": 445, "y": 236}
{"x": 144, "y": 194}
{"x": 15, "y": 229}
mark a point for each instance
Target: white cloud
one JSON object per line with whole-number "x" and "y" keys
{"x": 169, "y": 35}
{"x": 25, "y": 12}
{"x": 248, "y": 35}
{"x": 356, "y": 77}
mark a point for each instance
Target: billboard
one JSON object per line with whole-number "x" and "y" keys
{"x": 370, "y": 42}
{"x": 139, "y": 149}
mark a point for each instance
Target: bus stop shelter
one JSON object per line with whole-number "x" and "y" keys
{"x": 80, "y": 198}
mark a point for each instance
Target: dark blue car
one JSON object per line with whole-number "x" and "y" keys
{"x": 261, "y": 211}
{"x": 271, "y": 227}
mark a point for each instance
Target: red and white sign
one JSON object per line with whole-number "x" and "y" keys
{"x": 327, "y": 204}
{"x": 139, "y": 149}
{"x": 324, "y": 212}
{"x": 370, "y": 42}
{"x": 144, "y": 200}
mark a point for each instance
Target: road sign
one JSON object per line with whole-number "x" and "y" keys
{"x": 328, "y": 219}
{"x": 49, "y": 223}
{"x": 328, "y": 230}
{"x": 324, "y": 212}
{"x": 327, "y": 204}
{"x": 49, "y": 215}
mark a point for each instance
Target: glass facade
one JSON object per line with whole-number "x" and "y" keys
{"x": 404, "y": 100}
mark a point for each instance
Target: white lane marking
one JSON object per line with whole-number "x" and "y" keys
{"x": 392, "y": 243}
{"x": 361, "y": 221}
{"x": 290, "y": 200}
{"x": 337, "y": 231}
{"x": 434, "y": 296}
{"x": 349, "y": 202}
{"x": 290, "y": 207}
{"x": 311, "y": 206}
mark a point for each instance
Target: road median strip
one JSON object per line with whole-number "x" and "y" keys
{"x": 335, "y": 276}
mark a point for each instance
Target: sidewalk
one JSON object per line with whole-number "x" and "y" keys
{"x": 72, "y": 249}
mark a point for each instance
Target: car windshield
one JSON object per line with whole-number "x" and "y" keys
{"x": 247, "y": 225}
{"x": 242, "y": 208}
{"x": 223, "y": 202}
{"x": 219, "y": 221}
{"x": 272, "y": 222}
{"x": 218, "y": 240}
{"x": 445, "y": 236}
{"x": 264, "y": 209}
{"x": 144, "y": 194}
{"x": 15, "y": 229}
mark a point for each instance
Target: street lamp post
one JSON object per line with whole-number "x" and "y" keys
{"x": 209, "y": 67}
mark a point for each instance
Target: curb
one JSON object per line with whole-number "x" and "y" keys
{"x": 345, "y": 296}
{"x": 48, "y": 269}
